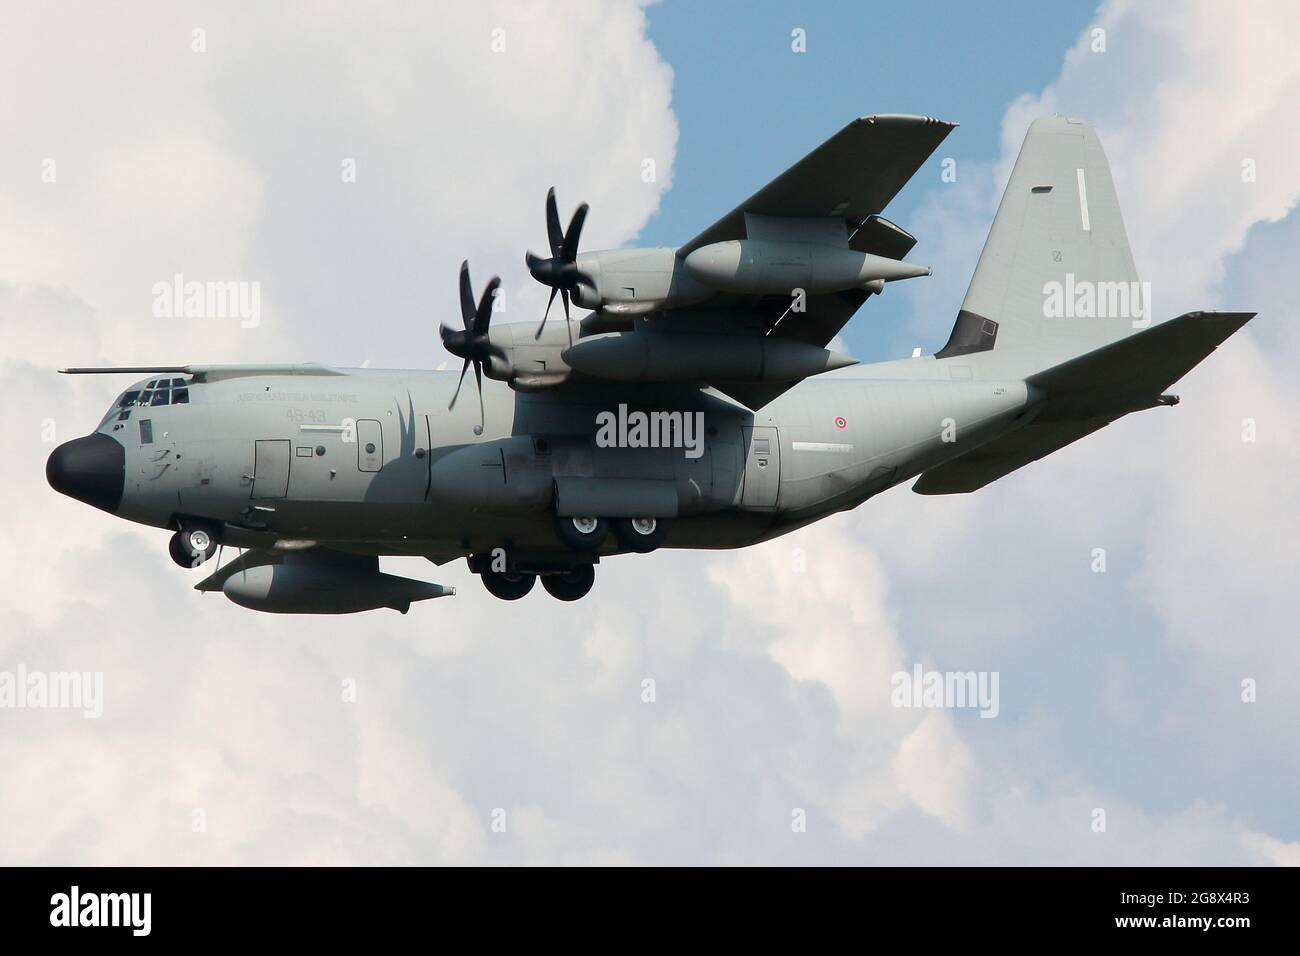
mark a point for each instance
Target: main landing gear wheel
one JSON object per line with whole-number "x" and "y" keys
{"x": 507, "y": 586}
{"x": 582, "y": 534}
{"x": 641, "y": 535}
{"x": 571, "y": 585}
{"x": 192, "y": 546}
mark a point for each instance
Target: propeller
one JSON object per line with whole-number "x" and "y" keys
{"x": 560, "y": 271}
{"x": 472, "y": 344}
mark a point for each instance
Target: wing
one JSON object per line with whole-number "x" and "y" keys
{"x": 852, "y": 176}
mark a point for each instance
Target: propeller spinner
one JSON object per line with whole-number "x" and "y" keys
{"x": 561, "y": 271}
{"x": 472, "y": 344}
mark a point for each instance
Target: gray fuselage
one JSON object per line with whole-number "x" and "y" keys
{"x": 372, "y": 461}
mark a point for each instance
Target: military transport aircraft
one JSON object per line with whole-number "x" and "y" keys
{"x": 695, "y": 406}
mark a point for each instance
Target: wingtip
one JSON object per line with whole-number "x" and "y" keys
{"x": 1217, "y": 315}
{"x": 905, "y": 119}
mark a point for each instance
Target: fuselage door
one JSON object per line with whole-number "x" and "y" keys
{"x": 271, "y": 468}
{"x": 762, "y": 466}
{"x": 370, "y": 445}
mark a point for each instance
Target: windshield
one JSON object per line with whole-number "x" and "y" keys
{"x": 158, "y": 391}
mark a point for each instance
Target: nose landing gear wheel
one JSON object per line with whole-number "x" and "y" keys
{"x": 192, "y": 546}
{"x": 507, "y": 587}
{"x": 583, "y": 534}
{"x": 571, "y": 585}
{"x": 641, "y": 535}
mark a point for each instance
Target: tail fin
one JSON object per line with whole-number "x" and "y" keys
{"x": 1056, "y": 277}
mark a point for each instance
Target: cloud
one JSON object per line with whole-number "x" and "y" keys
{"x": 139, "y": 156}
{"x": 770, "y": 666}
{"x": 1199, "y": 523}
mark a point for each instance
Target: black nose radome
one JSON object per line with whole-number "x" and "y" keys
{"x": 90, "y": 469}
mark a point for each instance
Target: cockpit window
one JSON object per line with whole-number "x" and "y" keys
{"x": 162, "y": 391}
{"x": 155, "y": 392}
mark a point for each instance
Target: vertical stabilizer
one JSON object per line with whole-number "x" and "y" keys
{"x": 1056, "y": 277}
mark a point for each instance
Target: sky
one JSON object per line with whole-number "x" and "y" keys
{"x": 473, "y": 731}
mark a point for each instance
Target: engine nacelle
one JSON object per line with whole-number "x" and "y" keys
{"x": 637, "y": 281}
{"x": 526, "y": 361}
{"x": 775, "y": 267}
{"x": 317, "y": 584}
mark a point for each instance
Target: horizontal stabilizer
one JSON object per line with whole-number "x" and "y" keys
{"x": 1138, "y": 367}
{"x": 986, "y": 464}
{"x": 1087, "y": 393}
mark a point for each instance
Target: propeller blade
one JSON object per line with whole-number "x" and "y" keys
{"x": 560, "y": 272}
{"x": 545, "y": 315}
{"x": 456, "y": 394}
{"x": 478, "y": 376}
{"x": 466, "y": 296}
{"x": 454, "y": 341}
{"x": 569, "y": 250}
{"x": 564, "y": 295}
{"x": 483, "y": 317}
{"x": 553, "y": 231}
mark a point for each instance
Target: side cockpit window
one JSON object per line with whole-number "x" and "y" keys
{"x": 122, "y": 410}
